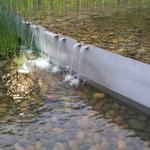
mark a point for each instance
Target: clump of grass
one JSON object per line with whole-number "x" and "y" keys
{"x": 8, "y": 33}
{"x": 11, "y": 26}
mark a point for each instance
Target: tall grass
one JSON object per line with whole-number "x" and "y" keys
{"x": 8, "y": 33}
{"x": 9, "y": 40}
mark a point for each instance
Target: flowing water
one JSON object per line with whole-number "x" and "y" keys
{"x": 46, "y": 113}
{"x": 41, "y": 106}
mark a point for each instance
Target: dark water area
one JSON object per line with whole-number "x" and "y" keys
{"x": 42, "y": 112}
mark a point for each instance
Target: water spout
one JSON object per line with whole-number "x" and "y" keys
{"x": 72, "y": 79}
{"x": 62, "y": 39}
{"x": 70, "y": 76}
{"x": 75, "y": 46}
{"x": 32, "y": 39}
{"x": 56, "y": 68}
{"x": 76, "y": 79}
{"x": 50, "y": 42}
{"x": 84, "y": 48}
{"x": 56, "y": 36}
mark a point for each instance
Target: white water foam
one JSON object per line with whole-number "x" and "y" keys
{"x": 41, "y": 63}
{"x": 24, "y": 69}
{"x": 74, "y": 82}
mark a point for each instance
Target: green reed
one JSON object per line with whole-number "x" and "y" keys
{"x": 8, "y": 32}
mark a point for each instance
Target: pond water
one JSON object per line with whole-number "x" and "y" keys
{"x": 41, "y": 112}
{"x": 122, "y": 27}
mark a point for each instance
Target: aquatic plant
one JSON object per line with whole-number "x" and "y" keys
{"x": 8, "y": 32}
{"x": 10, "y": 25}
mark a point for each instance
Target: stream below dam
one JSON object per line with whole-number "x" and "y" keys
{"x": 40, "y": 111}
{"x": 42, "y": 108}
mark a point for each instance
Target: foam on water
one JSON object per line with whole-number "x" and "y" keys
{"x": 72, "y": 79}
{"x": 41, "y": 63}
{"x": 68, "y": 77}
{"x": 74, "y": 82}
{"x": 55, "y": 69}
{"x": 24, "y": 69}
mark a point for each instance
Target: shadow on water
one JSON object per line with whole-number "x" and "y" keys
{"x": 42, "y": 112}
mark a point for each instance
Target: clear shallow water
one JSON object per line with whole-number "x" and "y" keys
{"x": 121, "y": 27}
{"x": 57, "y": 116}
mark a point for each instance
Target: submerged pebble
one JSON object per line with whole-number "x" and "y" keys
{"x": 80, "y": 136}
{"x": 18, "y": 147}
{"x": 59, "y": 146}
{"x": 73, "y": 145}
{"x": 136, "y": 124}
{"x": 98, "y": 95}
{"x": 121, "y": 145}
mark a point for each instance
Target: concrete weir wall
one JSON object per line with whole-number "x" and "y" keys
{"x": 123, "y": 78}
